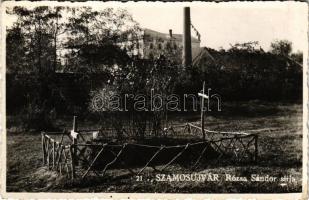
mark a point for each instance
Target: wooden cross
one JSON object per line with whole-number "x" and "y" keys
{"x": 74, "y": 133}
{"x": 204, "y": 96}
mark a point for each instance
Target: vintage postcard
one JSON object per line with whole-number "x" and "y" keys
{"x": 154, "y": 100}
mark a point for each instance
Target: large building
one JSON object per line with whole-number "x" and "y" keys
{"x": 153, "y": 44}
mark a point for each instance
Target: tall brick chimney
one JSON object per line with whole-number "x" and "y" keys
{"x": 187, "y": 49}
{"x": 171, "y": 33}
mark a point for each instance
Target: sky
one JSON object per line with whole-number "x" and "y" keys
{"x": 223, "y": 24}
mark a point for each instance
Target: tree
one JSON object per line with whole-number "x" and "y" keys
{"x": 32, "y": 48}
{"x": 16, "y": 59}
{"x": 297, "y": 57}
{"x": 43, "y": 38}
{"x": 40, "y": 29}
{"x": 95, "y": 38}
{"x": 245, "y": 47}
{"x": 281, "y": 47}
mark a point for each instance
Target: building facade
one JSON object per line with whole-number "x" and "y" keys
{"x": 151, "y": 44}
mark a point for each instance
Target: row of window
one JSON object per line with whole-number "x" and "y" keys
{"x": 159, "y": 46}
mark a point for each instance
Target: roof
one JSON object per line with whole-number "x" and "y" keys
{"x": 156, "y": 34}
{"x": 236, "y": 60}
{"x": 203, "y": 54}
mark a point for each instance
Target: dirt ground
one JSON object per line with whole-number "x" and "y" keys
{"x": 280, "y": 155}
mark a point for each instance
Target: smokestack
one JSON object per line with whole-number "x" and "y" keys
{"x": 171, "y": 33}
{"x": 187, "y": 52}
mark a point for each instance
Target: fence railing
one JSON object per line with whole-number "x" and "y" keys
{"x": 80, "y": 155}
{"x": 56, "y": 156}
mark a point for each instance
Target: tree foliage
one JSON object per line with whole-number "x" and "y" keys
{"x": 281, "y": 47}
{"x": 244, "y": 75}
{"x": 95, "y": 38}
{"x": 40, "y": 29}
{"x": 44, "y": 40}
{"x": 297, "y": 57}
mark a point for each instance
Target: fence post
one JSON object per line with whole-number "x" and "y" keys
{"x": 202, "y": 113}
{"x": 54, "y": 154}
{"x": 74, "y": 139}
{"x": 48, "y": 153}
{"x": 43, "y": 147}
{"x": 256, "y": 152}
{"x": 72, "y": 162}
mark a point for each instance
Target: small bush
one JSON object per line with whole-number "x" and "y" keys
{"x": 36, "y": 117}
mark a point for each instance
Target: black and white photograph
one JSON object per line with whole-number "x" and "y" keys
{"x": 150, "y": 97}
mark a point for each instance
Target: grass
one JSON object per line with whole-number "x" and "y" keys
{"x": 280, "y": 155}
